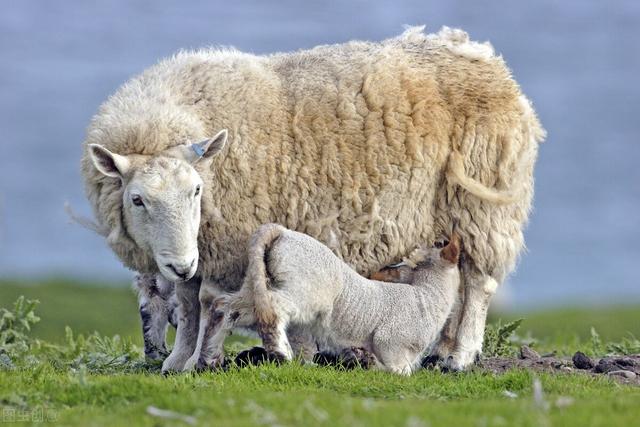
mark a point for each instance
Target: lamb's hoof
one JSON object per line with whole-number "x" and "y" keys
{"x": 254, "y": 356}
{"x": 325, "y": 358}
{"x": 276, "y": 358}
{"x": 356, "y": 357}
{"x": 220, "y": 364}
{"x": 217, "y": 363}
{"x": 201, "y": 365}
{"x": 349, "y": 358}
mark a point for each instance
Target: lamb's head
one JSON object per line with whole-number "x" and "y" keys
{"x": 441, "y": 255}
{"x": 161, "y": 201}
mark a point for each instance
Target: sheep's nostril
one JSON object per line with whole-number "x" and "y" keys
{"x": 179, "y": 271}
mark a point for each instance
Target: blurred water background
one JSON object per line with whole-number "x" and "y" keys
{"x": 578, "y": 61}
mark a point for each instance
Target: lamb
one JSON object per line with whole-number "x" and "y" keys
{"x": 293, "y": 278}
{"x": 371, "y": 148}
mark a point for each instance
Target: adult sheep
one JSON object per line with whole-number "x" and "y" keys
{"x": 372, "y": 148}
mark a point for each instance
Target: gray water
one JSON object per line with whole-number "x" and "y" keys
{"x": 579, "y": 62}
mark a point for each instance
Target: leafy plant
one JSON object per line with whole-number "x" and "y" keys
{"x": 15, "y": 326}
{"x": 93, "y": 353}
{"x": 596, "y": 342}
{"x": 96, "y": 353}
{"x": 500, "y": 340}
{"x": 628, "y": 345}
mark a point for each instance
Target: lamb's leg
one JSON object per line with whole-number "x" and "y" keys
{"x": 393, "y": 357}
{"x": 221, "y": 322}
{"x": 302, "y": 343}
{"x": 478, "y": 290}
{"x": 154, "y": 314}
{"x": 172, "y": 303}
{"x": 187, "y": 331}
{"x": 209, "y": 317}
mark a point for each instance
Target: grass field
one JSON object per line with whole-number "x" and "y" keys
{"x": 65, "y": 387}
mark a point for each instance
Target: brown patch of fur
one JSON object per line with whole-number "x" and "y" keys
{"x": 402, "y": 274}
{"x": 451, "y": 252}
{"x": 213, "y": 322}
{"x": 269, "y": 335}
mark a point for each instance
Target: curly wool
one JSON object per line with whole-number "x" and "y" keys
{"x": 372, "y": 148}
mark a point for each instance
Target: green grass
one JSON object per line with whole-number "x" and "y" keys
{"x": 297, "y": 395}
{"x": 65, "y": 388}
{"x": 109, "y": 310}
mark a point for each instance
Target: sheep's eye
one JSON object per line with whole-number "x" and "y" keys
{"x": 197, "y": 190}
{"x": 137, "y": 200}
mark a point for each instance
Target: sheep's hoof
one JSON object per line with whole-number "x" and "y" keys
{"x": 459, "y": 362}
{"x": 431, "y": 361}
{"x": 172, "y": 365}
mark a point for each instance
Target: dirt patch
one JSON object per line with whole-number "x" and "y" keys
{"x": 624, "y": 369}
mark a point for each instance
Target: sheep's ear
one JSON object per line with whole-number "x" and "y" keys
{"x": 209, "y": 147}
{"x": 108, "y": 163}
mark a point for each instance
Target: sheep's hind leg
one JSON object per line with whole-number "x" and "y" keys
{"x": 274, "y": 340}
{"x": 187, "y": 330}
{"x": 478, "y": 289}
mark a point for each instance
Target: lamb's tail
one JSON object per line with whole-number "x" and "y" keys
{"x": 257, "y": 277}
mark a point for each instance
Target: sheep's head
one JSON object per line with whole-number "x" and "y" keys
{"x": 161, "y": 200}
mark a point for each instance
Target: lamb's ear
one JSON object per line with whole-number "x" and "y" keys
{"x": 451, "y": 252}
{"x": 108, "y": 163}
{"x": 209, "y": 147}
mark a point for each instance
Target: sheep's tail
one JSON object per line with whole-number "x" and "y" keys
{"x": 85, "y": 222}
{"x": 257, "y": 277}
{"x": 457, "y": 175}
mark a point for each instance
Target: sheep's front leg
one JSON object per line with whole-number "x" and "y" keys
{"x": 478, "y": 290}
{"x": 154, "y": 315}
{"x": 187, "y": 330}
{"x": 445, "y": 344}
{"x": 156, "y": 305}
